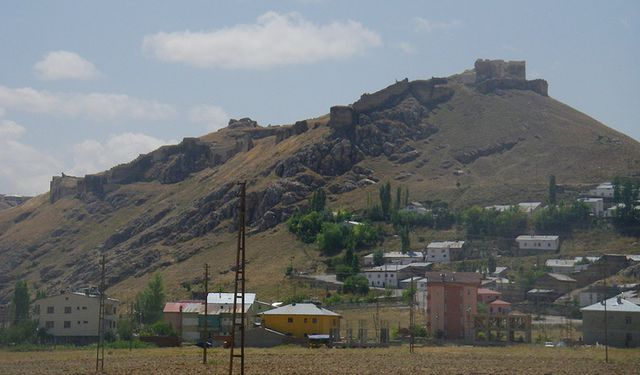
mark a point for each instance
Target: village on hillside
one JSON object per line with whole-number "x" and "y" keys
{"x": 444, "y": 291}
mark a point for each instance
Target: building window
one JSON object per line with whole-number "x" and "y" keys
{"x": 305, "y": 320}
{"x": 314, "y": 320}
{"x": 84, "y": 307}
{"x": 67, "y": 309}
{"x": 289, "y": 320}
{"x": 85, "y": 322}
{"x": 50, "y": 310}
{"x": 67, "y": 324}
{"x": 48, "y": 324}
{"x": 37, "y": 310}
{"x": 627, "y": 320}
{"x": 78, "y": 322}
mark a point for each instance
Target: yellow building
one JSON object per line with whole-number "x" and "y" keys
{"x": 301, "y": 319}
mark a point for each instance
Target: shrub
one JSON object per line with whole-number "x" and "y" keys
{"x": 356, "y": 284}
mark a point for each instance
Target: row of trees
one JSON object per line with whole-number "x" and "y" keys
{"x": 626, "y": 193}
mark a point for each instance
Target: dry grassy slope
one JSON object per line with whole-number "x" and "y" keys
{"x": 552, "y": 139}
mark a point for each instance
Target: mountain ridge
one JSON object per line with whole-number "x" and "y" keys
{"x": 468, "y": 139}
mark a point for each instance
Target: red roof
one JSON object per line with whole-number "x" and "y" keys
{"x": 487, "y": 291}
{"x": 500, "y": 302}
{"x": 174, "y": 307}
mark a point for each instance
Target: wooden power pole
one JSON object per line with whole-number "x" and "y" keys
{"x": 206, "y": 311}
{"x": 100, "y": 347}
{"x": 239, "y": 286}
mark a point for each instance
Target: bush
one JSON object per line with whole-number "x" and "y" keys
{"x": 332, "y": 238}
{"x": 158, "y": 329}
{"x": 356, "y": 284}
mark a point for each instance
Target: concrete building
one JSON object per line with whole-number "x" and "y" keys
{"x": 220, "y": 311}
{"x": 387, "y": 276}
{"x": 444, "y": 251}
{"x": 451, "y": 303}
{"x": 73, "y": 316}
{"x": 301, "y": 320}
{"x": 623, "y": 323}
{"x": 556, "y": 281}
{"x": 395, "y": 257}
{"x": 543, "y": 243}
{"x": 569, "y": 266}
{"x": 487, "y": 296}
{"x": 604, "y": 190}
{"x": 529, "y": 207}
{"x": 596, "y": 205}
{"x": 182, "y": 316}
{"x": 499, "y": 307}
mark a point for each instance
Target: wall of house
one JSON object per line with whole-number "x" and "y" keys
{"x": 539, "y": 244}
{"x": 618, "y": 328}
{"x": 301, "y": 325}
{"x": 438, "y": 255}
{"x": 381, "y": 279}
{"x": 450, "y": 308}
{"x": 80, "y": 311}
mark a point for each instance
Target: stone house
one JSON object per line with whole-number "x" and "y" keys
{"x": 444, "y": 251}
{"x": 538, "y": 243}
{"x": 558, "y": 282}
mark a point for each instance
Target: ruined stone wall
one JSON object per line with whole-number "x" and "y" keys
{"x": 499, "y": 69}
{"x": 63, "y": 186}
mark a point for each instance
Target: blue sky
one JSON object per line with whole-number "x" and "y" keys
{"x": 86, "y": 85}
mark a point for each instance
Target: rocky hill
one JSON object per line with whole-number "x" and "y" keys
{"x": 484, "y": 136}
{"x": 8, "y": 201}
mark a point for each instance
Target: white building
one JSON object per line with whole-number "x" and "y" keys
{"x": 527, "y": 242}
{"x": 596, "y": 205}
{"x": 529, "y": 207}
{"x": 387, "y": 276}
{"x": 443, "y": 251}
{"x": 604, "y": 190}
{"x": 75, "y": 315}
{"x": 395, "y": 257}
{"x": 416, "y": 207}
{"x": 567, "y": 266}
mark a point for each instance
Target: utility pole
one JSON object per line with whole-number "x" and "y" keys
{"x": 100, "y": 347}
{"x": 206, "y": 316}
{"x": 238, "y": 296}
{"x": 604, "y": 302}
{"x": 412, "y": 318}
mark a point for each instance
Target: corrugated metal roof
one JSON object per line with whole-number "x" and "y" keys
{"x": 227, "y": 298}
{"x": 174, "y": 307}
{"x": 459, "y": 277}
{"x": 300, "y": 309}
{"x": 500, "y": 302}
{"x": 614, "y": 304}
{"x": 446, "y": 245}
{"x": 536, "y": 238}
{"x": 487, "y": 291}
{"x": 561, "y": 277}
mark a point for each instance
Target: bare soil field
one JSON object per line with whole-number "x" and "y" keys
{"x": 525, "y": 359}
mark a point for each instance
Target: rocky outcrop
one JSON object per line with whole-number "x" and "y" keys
{"x": 63, "y": 186}
{"x": 467, "y": 157}
{"x": 8, "y": 201}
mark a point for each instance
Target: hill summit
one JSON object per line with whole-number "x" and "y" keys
{"x": 486, "y": 135}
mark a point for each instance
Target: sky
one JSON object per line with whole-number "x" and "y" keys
{"x": 86, "y": 85}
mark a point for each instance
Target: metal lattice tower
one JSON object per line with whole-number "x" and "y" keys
{"x": 239, "y": 288}
{"x": 100, "y": 348}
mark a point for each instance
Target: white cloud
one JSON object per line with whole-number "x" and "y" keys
{"x": 58, "y": 65}
{"x": 423, "y": 24}
{"x": 407, "y": 48}
{"x": 96, "y": 106}
{"x": 274, "y": 40}
{"x": 92, "y": 156}
{"x": 212, "y": 116}
{"x": 23, "y": 169}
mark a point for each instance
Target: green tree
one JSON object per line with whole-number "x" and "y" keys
{"x": 318, "y": 200}
{"x": 385, "y": 199}
{"x": 398, "y": 198}
{"x": 151, "y": 300}
{"x": 552, "y": 189}
{"x": 356, "y": 284}
{"x": 491, "y": 264}
{"x": 405, "y": 241}
{"x": 20, "y": 302}
{"x": 378, "y": 257}
{"x": 331, "y": 239}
